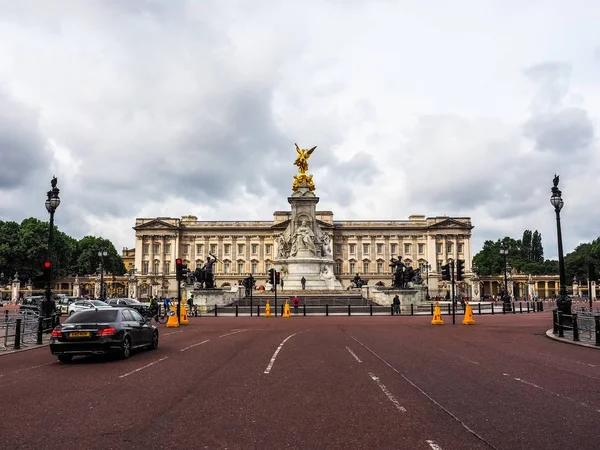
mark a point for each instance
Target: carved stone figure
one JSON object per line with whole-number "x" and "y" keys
{"x": 283, "y": 247}
{"x": 326, "y": 273}
{"x": 303, "y": 239}
{"x": 326, "y": 245}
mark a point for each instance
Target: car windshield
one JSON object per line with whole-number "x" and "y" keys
{"x": 99, "y": 303}
{"x": 100, "y": 316}
{"x": 131, "y": 301}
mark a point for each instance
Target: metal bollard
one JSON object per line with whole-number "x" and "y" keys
{"x": 40, "y": 331}
{"x": 561, "y": 331}
{"x": 257, "y": 310}
{"x": 326, "y": 309}
{"x": 6, "y": 315}
{"x": 412, "y": 309}
{"x": 304, "y": 310}
{"x": 575, "y": 328}
{"x": 554, "y": 321}
{"x": 17, "y": 345}
{"x": 527, "y": 307}
{"x": 431, "y": 309}
{"x": 348, "y": 308}
{"x": 392, "y": 309}
{"x": 479, "y": 308}
{"x": 371, "y": 309}
{"x": 521, "y": 307}
{"x": 597, "y": 320}
{"x": 449, "y": 310}
{"x": 215, "y": 310}
{"x": 492, "y": 305}
{"x": 236, "y": 310}
{"x": 513, "y": 308}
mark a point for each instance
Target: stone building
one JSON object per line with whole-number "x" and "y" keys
{"x": 362, "y": 247}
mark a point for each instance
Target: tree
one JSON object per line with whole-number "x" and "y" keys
{"x": 88, "y": 260}
{"x": 537, "y": 251}
{"x": 526, "y": 241}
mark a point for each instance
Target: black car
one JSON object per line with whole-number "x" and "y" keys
{"x": 103, "y": 331}
{"x": 129, "y": 303}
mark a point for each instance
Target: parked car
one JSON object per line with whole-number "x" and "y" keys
{"x": 62, "y": 306}
{"x": 82, "y": 305}
{"x": 103, "y": 331}
{"x": 128, "y": 302}
{"x": 33, "y": 305}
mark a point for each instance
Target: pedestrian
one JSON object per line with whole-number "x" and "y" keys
{"x": 303, "y": 282}
{"x": 396, "y": 304}
{"x": 296, "y": 304}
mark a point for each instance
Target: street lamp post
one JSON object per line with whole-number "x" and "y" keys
{"x": 102, "y": 253}
{"x": 563, "y": 302}
{"x": 427, "y": 268}
{"x": 506, "y": 306}
{"x": 52, "y": 203}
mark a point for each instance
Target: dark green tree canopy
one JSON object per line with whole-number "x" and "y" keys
{"x": 24, "y": 247}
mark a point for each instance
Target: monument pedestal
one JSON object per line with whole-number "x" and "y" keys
{"x": 205, "y": 299}
{"x": 385, "y": 295}
{"x": 318, "y": 273}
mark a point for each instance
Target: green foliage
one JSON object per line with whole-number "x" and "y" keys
{"x": 526, "y": 256}
{"x": 24, "y": 247}
{"x": 577, "y": 262}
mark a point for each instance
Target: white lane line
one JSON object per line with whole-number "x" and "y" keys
{"x": 30, "y": 368}
{"x": 194, "y": 345}
{"x": 387, "y": 393}
{"x": 567, "y": 359}
{"x": 142, "y": 368}
{"x": 270, "y": 366}
{"x": 555, "y": 394}
{"x": 425, "y": 394}
{"x": 233, "y": 332}
{"x": 354, "y": 354}
{"x": 172, "y": 332}
{"x": 459, "y": 356}
{"x": 433, "y": 445}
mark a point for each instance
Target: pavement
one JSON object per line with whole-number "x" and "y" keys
{"x": 313, "y": 383}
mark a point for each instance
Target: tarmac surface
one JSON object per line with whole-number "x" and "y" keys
{"x": 314, "y": 383}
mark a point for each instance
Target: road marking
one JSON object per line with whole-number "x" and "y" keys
{"x": 30, "y": 368}
{"x": 270, "y": 366}
{"x": 142, "y": 368}
{"x": 233, "y": 332}
{"x": 387, "y": 393}
{"x": 172, "y": 332}
{"x": 433, "y": 445}
{"x": 354, "y": 354}
{"x": 194, "y": 345}
{"x": 458, "y": 356}
{"x": 567, "y": 359}
{"x": 429, "y": 397}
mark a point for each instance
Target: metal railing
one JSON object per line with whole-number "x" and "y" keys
{"x": 23, "y": 328}
{"x": 581, "y": 325}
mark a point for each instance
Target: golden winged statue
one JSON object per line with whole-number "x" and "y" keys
{"x": 302, "y": 159}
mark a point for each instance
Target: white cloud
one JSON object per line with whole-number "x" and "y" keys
{"x": 156, "y": 108}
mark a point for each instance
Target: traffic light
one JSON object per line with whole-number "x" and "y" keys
{"x": 47, "y": 271}
{"x": 277, "y": 279}
{"x": 446, "y": 272}
{"x": 460, "y": 269}
{"x": 272, "y": 276}
{"x": 179, "y": 269}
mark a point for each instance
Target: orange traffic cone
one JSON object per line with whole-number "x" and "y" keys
{"x": 286, "y": 310}
{"x": 437, "y": 315}
{"x": 172, "y": 322}
{"x": 183, "y": 318}
{"x": 268, "y": 309}
{"x": 469, "y": 319}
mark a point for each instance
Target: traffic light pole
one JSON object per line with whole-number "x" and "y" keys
{"x": 453, "y": 299}
{"x": 275, "y": 286}
{"x": 48, "y": 294}
{"x": 178, "y": 300}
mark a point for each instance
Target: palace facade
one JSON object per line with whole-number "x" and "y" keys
{"x": 362, "y": 247}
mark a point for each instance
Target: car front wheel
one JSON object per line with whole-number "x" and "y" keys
{"x": 126, "y": 348}
{"x": 154, "y": 344}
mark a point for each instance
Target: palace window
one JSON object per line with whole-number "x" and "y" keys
{"x": 167, "y": 249}
{"x": 156, "y": 267}
{"x": 240, "y": 249}
{"x": 186, "y": 249}
{"x": 167, "y": 267}
{"x": 254, "y": 249}
{"x": 421, "y": 249}
{"x": 352, "y": 249}
{"x": 394, "y": 249}
{"x": 227, "y": 250}
{"x": 379, "y": 267}
{"x": 449, "y": 247}
{"x": 267, "y": 249}
{"x": 338, "y": 248}
{"x": 226, "y": 267}
{"x": 199, "y": 249}
{"x": 145, "y": 265}
{"x": 379, "y": 249}
{"x": 254, "y": 268}
{"x": 366, "y": 249}
{"x": 407, "y": 249}
{"x": 460, "y": 248}
{"x": 352, "y": 267}
{"x": 438, "y": 248}
{"x": 240, "y": 267}
{"x": 198, "y": 263}
{"x": 365, "y": 267}
{"x": 156, "y": 248}
{"x": 338, "y": 268}
{"x": 439, "y": 266}
{"x": 146, "y": 249}
{"x": 213, "y": 248}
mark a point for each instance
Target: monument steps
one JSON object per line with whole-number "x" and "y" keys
{"x": 308, "y": 300}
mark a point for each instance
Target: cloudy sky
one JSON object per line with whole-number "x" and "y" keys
{"x": 146, "y": 108}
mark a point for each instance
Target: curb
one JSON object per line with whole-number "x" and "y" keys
{"x": 550, "y": 335}
{"x": 12, "y": 352}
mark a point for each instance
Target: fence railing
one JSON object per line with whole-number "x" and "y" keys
{"x": 579, "y": 326}
{"x": 22, "y": 328}
{"x": 369, "y": 310}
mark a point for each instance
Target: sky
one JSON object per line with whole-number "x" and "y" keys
{"x": 169, "y": 108}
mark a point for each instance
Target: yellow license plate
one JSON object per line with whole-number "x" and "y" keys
{"x": 79, "y": 334}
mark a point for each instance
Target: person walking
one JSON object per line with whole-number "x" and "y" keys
{"x": 296, "y": 304}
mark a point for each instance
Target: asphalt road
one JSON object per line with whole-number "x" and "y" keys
{"x": 314, "y": 382}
